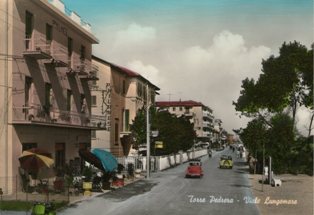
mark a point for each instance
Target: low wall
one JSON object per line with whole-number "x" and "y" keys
{"x": 166, "y": 162}
{"x": 162, "y": 162}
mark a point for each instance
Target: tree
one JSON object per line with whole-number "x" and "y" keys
{"x": 254, "y": 137}
{"x": 176, "y": 133}
{"x": 138, "y": 127}
{"x": 286, "y": 83}
{"x": 281, "y": 140}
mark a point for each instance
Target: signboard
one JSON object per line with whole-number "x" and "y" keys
{"x": 159, "y": 145}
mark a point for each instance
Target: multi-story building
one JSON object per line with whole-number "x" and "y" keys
{"x": 117, "y": 96}
{"x": 45, "y": 97}
{"x": 200, "y": 115}
{"x": 217, "y": 130}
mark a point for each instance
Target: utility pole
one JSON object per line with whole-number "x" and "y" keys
{"x": 147, "y": 135}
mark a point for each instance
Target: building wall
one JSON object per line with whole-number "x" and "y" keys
{"x": 125, "y": 100}
{"x": 47, "y": 139}
{"x": 196, "y": 115}
{"x": 6, "y": 61}
{"x": 101, "y": 92}
{"x": 117, "y": 110}
{"x": 18, "y": 67}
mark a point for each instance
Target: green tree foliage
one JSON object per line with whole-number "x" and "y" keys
{"x": 255, "y": 137}
{"x": 303, "y": 156}
{"x": 176, "y": 133}
{"x": 281, "y": 142}
{"x": 286, "y": 82}
{"x": 138, "y": 128}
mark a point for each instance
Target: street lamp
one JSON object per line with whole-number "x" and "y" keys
{"x": 147, "y": 136}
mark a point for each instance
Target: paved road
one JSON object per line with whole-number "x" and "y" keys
{"x": 220, "y": 191}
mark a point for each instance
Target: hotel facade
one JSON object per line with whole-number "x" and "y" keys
{"x": 45, "y": 61}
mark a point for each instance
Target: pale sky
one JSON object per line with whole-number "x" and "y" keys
{"x": 197, "y": 49}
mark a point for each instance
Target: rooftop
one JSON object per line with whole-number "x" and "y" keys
{"x": 125, "y": 71}
{"x": 71, "y": 17}
{"x": 188, "y": 103}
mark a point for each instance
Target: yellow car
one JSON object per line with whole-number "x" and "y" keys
{"x": 225, "y": 162}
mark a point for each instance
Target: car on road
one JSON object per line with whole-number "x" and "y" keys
{"x": 225, "y": 162}
{"x": 194, "y": 169}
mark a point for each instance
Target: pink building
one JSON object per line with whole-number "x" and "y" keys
{"x": 45, "y": 95}
{"x": 117, "y": 96}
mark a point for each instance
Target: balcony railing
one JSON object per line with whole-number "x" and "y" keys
{"x": 49, "y": 116}
{"x": 36, "y": 46}
{"x": 81, "y": 65}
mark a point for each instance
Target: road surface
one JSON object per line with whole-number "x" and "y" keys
{"x": 219, "y": 191}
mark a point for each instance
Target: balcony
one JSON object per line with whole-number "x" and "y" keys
{"x": 37, "y": 47}
{"x": 206, "y": 124}
{"x": 40, "y": 115}
{"x": 188, "y": 113}
{"x": 90, "y": 76}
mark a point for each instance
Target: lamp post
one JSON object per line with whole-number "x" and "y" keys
{"x": 147, "y": 136}
{"x": 263, "y": 172}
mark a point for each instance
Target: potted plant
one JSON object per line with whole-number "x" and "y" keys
{"x": 87, "y": 183}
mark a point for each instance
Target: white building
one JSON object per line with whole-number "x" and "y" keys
{"x": 200, "y": 115}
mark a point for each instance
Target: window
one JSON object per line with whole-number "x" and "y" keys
{"x": 28, "y": 85}
{"x": 94, "y": 100}
{"x": 139, "y": 89}
{"x": 82, "y": 53}
{"x": 48, "y": 37}
{"x": 48, "y": 95}
{"x": 27, "y": 146}
{"x": 93, "y": 134}
{"x": 83, "y": 104}
{"x": 123, "y": 87}
{"x": 70, "y": 50}
{"x": 152, "y": 97}
{"x": 94, "y": 82}
{"x": 59, "y": 155}
{"x": 126, "y": 120}
{"x": 180, "y": 108}
{"x": 70, "y": 46}
{"x": 144, "y": 93}
{"x": 69, "y": 100}
{"x": 29, "y": 25}
{"x": 174, "y": 108}
{"x": 116, "y": 132}
{"x": 48, "y": 33}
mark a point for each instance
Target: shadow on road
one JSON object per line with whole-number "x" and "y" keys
{"x": 241, "y": 185}
{"x": 130, "y": 190}
{"x": 240, "y": 163}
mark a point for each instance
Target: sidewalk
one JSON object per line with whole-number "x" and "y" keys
{"x": 294, "y": 196}
{"x": 80, "y": 198}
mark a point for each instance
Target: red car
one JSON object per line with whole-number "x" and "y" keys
{"x": 194, "y": 169}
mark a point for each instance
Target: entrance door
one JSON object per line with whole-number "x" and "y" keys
{"x": 59, "y": 155}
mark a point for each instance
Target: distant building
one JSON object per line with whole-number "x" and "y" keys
{"x": 117, "y": 96}
{"x": 218, "y": 131}
{"x": 200, "y": 115}
{"x": 45, "y": 98}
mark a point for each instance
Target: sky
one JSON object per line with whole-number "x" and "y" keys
{"x": 197, "y": 50}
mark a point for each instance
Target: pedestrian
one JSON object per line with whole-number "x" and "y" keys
{"x": 210, "y": 153}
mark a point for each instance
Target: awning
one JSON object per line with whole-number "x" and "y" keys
{"x": 108, "y": 161}
{"x": 91, "y": 158}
